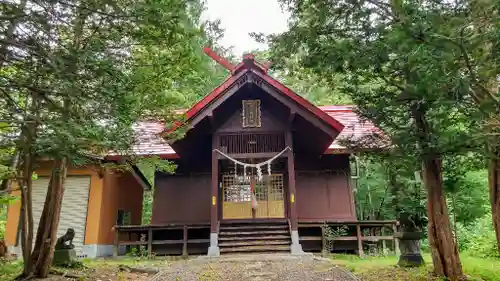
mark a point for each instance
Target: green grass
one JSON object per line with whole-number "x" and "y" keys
{"x": 368, "y": 269}
{"x": 383, "y": 268}
{"x": 484, "y": 268}
{"x": 10, "y": 270}
{"x": 129, "y": 261}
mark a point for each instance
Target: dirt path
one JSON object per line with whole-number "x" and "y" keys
{"x": 255, "y": 268}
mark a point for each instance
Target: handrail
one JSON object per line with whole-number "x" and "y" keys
{"x": 162, "y": 226}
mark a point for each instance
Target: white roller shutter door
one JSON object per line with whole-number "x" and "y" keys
{"x": 74, "y": 206}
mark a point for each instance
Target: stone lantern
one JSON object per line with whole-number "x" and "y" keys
{"x": 409, "y": 235}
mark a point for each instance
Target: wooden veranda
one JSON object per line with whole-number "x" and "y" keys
{"x": 193, "y": 239}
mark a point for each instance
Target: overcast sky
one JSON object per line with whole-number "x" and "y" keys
{"x": 240, "y": 17}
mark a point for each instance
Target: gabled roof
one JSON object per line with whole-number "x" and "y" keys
{"x": 149, "y": 141}
{"x": 250, "y": 67}
{"x": 342, "y": 119}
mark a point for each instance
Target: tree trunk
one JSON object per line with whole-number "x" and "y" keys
{"x": 444, "y": 251}
{"x": 26, "y": 219}
{"x": 25, "y": 185}
{"x": 443, "y": 248}
{"x": 47, "y": 232}
{"x": 455, "y": 230}
{"x": 494, "y": 187}
{"x": 395, "y": 188}
{"x": 47, "y": 229}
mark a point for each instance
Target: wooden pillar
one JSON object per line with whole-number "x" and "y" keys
{"x": 252, "y": 191}
{"x": 291, "y": 182}
{"x": 185, "y": 242}
{"x": 384, "y": 243}
{"x": 360, "y": 240}
{"x": 150, "y": 242}
{"x": 117, "y": 243}
{"x": 214, "y": 188}
{"x": 324, "y": 243}
{"x": 396, "y": 241}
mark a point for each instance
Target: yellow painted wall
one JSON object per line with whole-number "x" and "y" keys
{"x": 44, "y": 169}
{"x": 121, "y": 192}
{"x": 94, "y": 210}
{"x": 107, "y": 194}
{"x": 13, "y": 213}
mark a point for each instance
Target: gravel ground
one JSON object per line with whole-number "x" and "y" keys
{"x": 254, "y": 268}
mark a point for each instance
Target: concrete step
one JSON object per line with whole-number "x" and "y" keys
{"x": 253, "y": 243}
{"x": 256, "y": 248}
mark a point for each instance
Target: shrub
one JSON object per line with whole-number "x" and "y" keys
{"x": 3, "y": 220}
{"x": 478, "y": 238}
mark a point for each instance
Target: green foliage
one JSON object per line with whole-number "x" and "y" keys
{"x": 329, "y": 234}
{"x": 76, "y": 75}
{"x": 147, "y": 206}
{"x": 386, "y": 186}
{"x": 10, "y": 270}
{"x": 106, "y": 66}
{"x": 3, "y": 221}
{"x": 470, "y": 200}
{"x": 306, "y": 82}
{"x": 149, "y": 166}
{"x": 478, "y": 238}
{"x": 4, "y": 201}
{"x": 334, "y": 232}
{"x": 312, "y": 86}
{"x": 74, "y": 264}
{"x": 375, "y": 268}
{"x": 139, "y": 252}
{"x": 390, "y": 75}
{"x": 407, "y": 68}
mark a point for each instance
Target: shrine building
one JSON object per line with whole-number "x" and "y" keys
{"x": 259, "y": 169}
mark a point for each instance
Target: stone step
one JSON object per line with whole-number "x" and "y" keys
{"x": 249, "y": 238}
{"x": 253, "y": 243}
{"x": 256, "y": 248}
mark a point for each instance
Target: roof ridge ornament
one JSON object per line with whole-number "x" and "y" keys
{"x": 248, "y": 62}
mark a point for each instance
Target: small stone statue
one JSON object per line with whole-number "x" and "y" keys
{"x": 65, "y": 254}
{"x": 409, "y": 237}
{"x": 66, "y": 241}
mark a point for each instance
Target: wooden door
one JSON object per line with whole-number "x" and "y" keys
{"x": 237, "y": 197}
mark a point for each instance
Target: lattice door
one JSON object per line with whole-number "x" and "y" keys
{"x": 238, "y": 197}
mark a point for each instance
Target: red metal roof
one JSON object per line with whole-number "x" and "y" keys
{"x": 250, "y": 65}
{"x": 150, "y": 142}
{"x": 355, "y": 129}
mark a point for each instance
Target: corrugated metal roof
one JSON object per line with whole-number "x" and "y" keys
{"x": 355, "y": 129}
{"x": 149, "y": 141}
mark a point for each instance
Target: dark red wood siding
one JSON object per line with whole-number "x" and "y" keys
{"x": 323, "y": 189}
{"x": 323, "y": 196}
{"x": 182, "y": 199}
